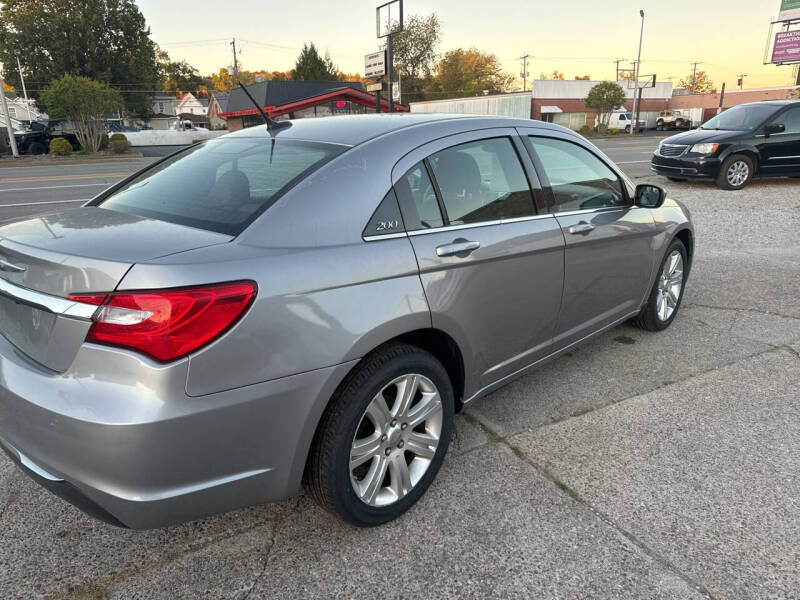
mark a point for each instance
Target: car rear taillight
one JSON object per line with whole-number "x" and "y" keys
{"x": 167, "y": 324}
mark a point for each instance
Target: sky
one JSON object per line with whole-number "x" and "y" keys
{"x": 576, "y": 37}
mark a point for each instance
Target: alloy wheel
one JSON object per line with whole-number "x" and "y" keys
{"x": 396, "y": 440}
{"x": 738, "y": 173}
{"x": 670, "y": 286}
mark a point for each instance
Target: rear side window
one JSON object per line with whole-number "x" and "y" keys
{"x": 418, "y": 199}
{"x": 222, "y": 185}
{"x": 579, "y": 180}
{"x": 482, "y": 181}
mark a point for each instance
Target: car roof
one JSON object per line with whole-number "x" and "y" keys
{"x": 353, "y": 130}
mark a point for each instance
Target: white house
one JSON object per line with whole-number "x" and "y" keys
{"x": 190, "y": 105}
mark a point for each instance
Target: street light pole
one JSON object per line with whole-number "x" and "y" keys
{"x": 635, "y": 126}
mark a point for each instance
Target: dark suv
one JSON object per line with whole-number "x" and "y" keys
{"x": 758, "y": 139}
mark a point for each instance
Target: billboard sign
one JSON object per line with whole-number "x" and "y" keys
{"x": 787, "y": 47}
{"x": 790, "y": 9}
{"x": 375, "y": 65}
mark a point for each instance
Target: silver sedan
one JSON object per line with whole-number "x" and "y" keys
{"x": 313, "y": 303}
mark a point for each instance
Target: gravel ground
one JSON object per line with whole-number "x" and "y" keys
{"x": 639, "y": 466}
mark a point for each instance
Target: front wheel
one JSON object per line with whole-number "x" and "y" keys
{"x": 736, "y": 172}
{"x": 627, "y": 128}
{"x": 667, "y": 293}
{"x": 383, "y": 437}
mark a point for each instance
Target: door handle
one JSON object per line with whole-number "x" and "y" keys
{"x": 457, "y": 248}
{"x": 581, "y": 228}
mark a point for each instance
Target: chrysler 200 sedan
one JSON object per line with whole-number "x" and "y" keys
{"x": 312, "y": 304}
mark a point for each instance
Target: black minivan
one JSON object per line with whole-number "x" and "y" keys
{"x": 761, "y": 139}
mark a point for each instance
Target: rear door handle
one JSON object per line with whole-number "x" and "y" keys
{"x": 581, "y": 228}
{"x": 457, "y": 248}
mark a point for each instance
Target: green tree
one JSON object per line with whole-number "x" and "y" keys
{"x": 415, "y": 54}
{"x": 469, "y": 73}
{"x": 86, "y": 103}
{"x": 104, "y": 40}
{"x": 604, "y": 98}
{"x": 310, "y": 66}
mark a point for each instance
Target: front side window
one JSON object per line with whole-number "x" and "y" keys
{"x": 579, "y": 180}
{"x": 222, "y": 185}
{"x": 482, "y": 181}
{"x": 791, "y": 120}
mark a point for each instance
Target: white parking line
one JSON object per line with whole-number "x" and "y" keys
{"x": 632, "y": 162}
{"x": 55, "y": 187}
{"x": 38, "y": 203}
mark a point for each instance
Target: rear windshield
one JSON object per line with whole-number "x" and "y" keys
{"x": 221, "y": 185}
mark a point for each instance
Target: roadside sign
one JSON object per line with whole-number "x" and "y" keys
{"x": 375, "y": 65}
{"x": 396, "y": 91}
{"x": 790, "y": 9}
{"x": 787, "y": 47}
{"x": 375, "y": 87}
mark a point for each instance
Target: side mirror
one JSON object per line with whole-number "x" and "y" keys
{"x": 649, "y": 196}
{"x": 775, "y": 128}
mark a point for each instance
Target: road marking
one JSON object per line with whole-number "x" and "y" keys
{"x": 66, "y": 177}
{"x": 38, "y": 203}
{"x": 54, "y": 187}
{"x": 632, "y": 162}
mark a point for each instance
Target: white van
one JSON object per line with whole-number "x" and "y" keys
{"x": 622, "y": 120}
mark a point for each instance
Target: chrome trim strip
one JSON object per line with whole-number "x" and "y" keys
{"x": 594, "y": 210}
{"x": 481, "y": 224}
{"x": 46, "y": 302}
{"x": 386, "y": 236}
{"x": 783, "y": 157}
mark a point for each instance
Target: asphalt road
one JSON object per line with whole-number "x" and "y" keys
{"x": 640, "y": 465}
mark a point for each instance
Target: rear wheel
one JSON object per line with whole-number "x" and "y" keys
{"x": 383, "y": 437}
{"x": 660, "y": 125}
{"x": 665, "y": 298}
{"x": 627, "y": 128}
{"x": 736, "y": 172}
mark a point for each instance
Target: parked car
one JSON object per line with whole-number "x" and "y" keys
{"x": 36, "y": 139}
{"x": 673, "y": 119}
{"x": 746, "y": 141}
{"x": 313, "y": 303}
{"x": 623, "y": 121}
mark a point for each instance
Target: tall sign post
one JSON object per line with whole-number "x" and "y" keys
{"x": 389, "y": 21}
{"x": 636, "y": 77}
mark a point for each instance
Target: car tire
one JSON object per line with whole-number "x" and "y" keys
{"x": 665, "y": 298}
{"x": 736, "y": 172}
{"x": 676, "y": 179}
{"x": 660, "y": 126}
{"x": 36, "y": 148}
{"x": 379, "y": 489}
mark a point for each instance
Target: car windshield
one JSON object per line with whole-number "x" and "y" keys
{"x": 745, "y": 117}
{"x": 221, "y": 185}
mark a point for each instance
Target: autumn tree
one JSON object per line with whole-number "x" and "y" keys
{"x": 311, "y": 66}
{"x": 605, "y": 98}
{"x": 469, "y": 73}
{"x": 556, "y": 75}
{"x": 86, "y": 103}
{"x": 103, "y": 40}
{"x": 698, "y": 83}
{"x": 415, "y": 54}
{"x": 583, "y": 78}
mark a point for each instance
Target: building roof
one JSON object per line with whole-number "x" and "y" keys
{"x": 222, "y": 99}
{"x": 203, "y": 101}
{"x": 279, "y": 93}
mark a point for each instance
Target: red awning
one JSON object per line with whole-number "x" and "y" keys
{"x": 353, "y": 95}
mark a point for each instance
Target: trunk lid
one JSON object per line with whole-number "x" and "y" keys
{"x": 46, "y": 259}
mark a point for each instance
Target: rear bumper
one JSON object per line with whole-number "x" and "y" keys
{"x": 686, "y": 167}
{"x": 119, "y": 438}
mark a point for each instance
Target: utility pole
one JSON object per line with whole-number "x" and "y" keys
{"x": 741, "y": 80}
{"x": 524, "y": 58}
{"x": 694, "y": 75}
{"x": 24, "y": 91}
{"x": 9, "y": 127}
{"x": 617, "y": 63}
{"x": 235, "y": 61}
{"x": 636, "y": 77}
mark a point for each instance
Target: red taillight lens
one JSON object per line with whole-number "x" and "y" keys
{"x": 167, "y": 324}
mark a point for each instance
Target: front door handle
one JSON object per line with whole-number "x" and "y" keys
{"x": 464, "y": 247}
{"x": 581, "y": 228}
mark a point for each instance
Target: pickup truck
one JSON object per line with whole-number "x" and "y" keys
{"x": 36, "y": 139}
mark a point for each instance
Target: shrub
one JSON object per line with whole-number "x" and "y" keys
{"x": 60, "y": 147}
{"x": 613, "y": 131}
{"x": 585, "y": 130}
{"x": 118, "y": 136}
{"x": 104, "y": 141}
{"x": 120, "y": 146}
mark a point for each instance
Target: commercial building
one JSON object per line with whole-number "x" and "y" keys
{"x": 298, "y": 100}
